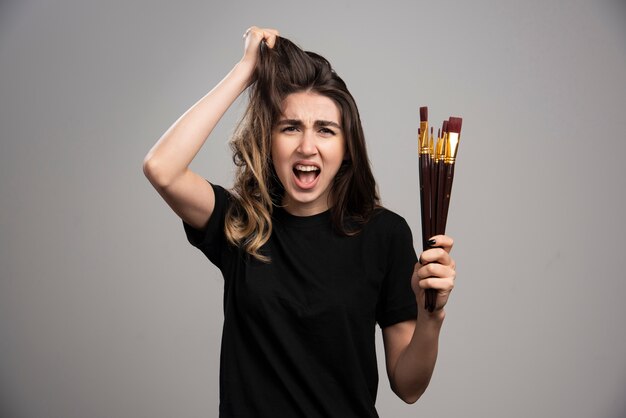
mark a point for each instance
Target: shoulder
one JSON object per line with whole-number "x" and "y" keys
{"x": 224, "y": 197}
{"x": 387, "y": 220}
{"x": 223, "y": 192}
{"x": 386, "y": 226}
{"x": 390, "y": 234}
{"x": 225, "y": 200}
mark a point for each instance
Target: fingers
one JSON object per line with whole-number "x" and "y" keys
{"x": 434, "y": 270}
{"x": 437, "y": 283}
{"x": 434, "y": 276}
{"x": 262, "y": 34}
{"x": 435, "y": 255}
{"x": 271, "y": 38}
{"x": 442, "y": 241}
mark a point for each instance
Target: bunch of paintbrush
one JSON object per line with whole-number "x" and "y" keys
{"x": 436, "y": 172}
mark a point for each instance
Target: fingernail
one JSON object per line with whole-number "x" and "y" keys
{"x": 431, "y": 242}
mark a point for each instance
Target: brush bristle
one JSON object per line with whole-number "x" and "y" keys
{"x": 455, "y": 124}
{"x": 444, "y": 128}
{"x": 424, "y": 114}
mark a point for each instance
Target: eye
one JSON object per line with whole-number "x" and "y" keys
{"x": 289, "y": 129}
{"x": 327, "y": 131}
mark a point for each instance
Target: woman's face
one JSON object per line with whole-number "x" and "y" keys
{"x": 308, "y": 147}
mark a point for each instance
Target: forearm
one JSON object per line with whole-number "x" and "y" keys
{"x": 416, "y": 363}
{"x": 178, "y": 146}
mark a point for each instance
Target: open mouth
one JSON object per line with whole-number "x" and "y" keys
{"x": 306, "y": 174}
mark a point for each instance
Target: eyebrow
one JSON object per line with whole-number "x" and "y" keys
{"x": 317, "y": 123}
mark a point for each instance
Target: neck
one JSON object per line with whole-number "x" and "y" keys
{"x": 305, "y": 208}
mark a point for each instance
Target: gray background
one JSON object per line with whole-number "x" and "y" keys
{"x": 107, "y": 311}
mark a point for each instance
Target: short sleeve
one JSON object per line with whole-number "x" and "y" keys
{"x": 211, "y": 240}
{"x": 396, "y": 301}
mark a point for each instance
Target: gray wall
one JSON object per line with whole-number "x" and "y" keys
{"x": 107, "y": 311}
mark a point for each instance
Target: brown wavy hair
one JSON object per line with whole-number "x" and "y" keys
{"x": 280, "y": 71}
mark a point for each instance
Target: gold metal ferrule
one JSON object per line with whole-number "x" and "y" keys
{"x": 423, "y": 138}
{"x": 452, "y": 145}
{"x": 439, "y": 151}
{"x": 431, "y": 149}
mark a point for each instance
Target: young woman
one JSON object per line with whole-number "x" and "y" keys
{"x": 310, "y": 259}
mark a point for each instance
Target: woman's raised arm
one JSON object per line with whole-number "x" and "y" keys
{"x": 166, "y": 164}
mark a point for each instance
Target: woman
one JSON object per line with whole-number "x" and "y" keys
{"x": 310, "y": 259}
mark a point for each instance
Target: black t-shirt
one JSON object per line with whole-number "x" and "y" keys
{"x": 299, "y": 333}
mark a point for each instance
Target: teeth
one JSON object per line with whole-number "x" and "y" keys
{"x": 301, "y": 167}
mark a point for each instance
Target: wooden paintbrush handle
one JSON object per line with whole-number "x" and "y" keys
{"x": 426, "y": 200}
{"x": 425, "y": 195}
{"x": 441, "y": 179}
{"x": 445, "y": 176}
{"x": 443, "y": 212}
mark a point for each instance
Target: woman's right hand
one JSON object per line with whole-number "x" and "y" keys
{"x": 253, "y": 37}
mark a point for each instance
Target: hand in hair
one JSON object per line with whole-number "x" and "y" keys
{"x": 253, "y": 38}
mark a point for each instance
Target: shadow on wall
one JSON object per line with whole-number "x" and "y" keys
{"x": 618, "y": 7}
{"x": 8, "y": 8}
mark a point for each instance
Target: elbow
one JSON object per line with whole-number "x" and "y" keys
{"x": 147, "y": 167}
{"x": 150, "y": 171}
{"x": 410, "y": 388}
{"x": 154, "y": 173}
{"x": 410, "y": 397}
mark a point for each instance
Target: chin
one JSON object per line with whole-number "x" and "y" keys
{"x": 313, "y": 199}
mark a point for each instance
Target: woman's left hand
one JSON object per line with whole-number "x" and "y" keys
{"x": 435, "y": 269}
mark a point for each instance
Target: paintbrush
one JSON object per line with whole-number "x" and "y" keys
{"x": 450, "y": 149}
{"x": 426, "y": 194}
{"x": 440, "y": 173}
{"x": 424, "y": 173}
{"x": 436, "y": 174}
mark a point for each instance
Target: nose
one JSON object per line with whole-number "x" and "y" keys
{"x": 307, "y": 144}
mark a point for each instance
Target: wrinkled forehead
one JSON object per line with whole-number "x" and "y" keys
{"x": 309, "y": 107}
